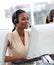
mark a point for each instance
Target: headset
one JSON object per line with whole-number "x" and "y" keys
{"x": 15, "y": 18}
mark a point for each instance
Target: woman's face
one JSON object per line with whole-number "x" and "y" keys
{"x": 23, "y": 21}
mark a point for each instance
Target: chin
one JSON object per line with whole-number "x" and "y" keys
{"x": 26, "y": 28}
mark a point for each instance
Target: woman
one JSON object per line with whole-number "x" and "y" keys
{"x": 19, "y": 38}
{"x": 50, "y": 18}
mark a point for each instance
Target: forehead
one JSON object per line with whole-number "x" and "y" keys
{"x": 24, "y": 14}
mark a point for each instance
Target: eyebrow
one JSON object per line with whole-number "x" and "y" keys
{"x": 23, "y": 17}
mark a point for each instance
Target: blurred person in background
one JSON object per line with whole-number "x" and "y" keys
{"x": 50, "y": 18}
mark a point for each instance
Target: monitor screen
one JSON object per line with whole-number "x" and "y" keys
{"x": 41, "y": 40}
{"x": 3, "y": 44}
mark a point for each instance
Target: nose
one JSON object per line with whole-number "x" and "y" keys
{"x": 26, "y": 21}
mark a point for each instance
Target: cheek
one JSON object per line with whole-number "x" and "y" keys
{"x": 21, "y": 24}
{"x": 20, "y": 21}
{"x": 53, "y": 18}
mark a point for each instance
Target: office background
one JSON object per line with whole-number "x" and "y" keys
{"x": 37, "y": 11}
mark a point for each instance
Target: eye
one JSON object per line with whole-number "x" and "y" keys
{"x": 25, "y": 18}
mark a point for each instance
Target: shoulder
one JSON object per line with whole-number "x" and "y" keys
{"x": 10, "y": 36}
{"x": 12, "y": 33}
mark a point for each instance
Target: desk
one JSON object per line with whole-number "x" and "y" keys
{"x": 27, "y": 60}
{"x": 30, "y": 60}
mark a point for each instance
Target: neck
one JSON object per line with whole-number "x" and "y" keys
{"x": 20, "y": 31}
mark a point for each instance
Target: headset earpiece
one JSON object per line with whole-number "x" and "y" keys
{"x": 15, "y": 20}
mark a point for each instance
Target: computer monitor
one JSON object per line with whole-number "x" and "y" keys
{"x": 3, "y": 44}
{"x": 41, "y": 40}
